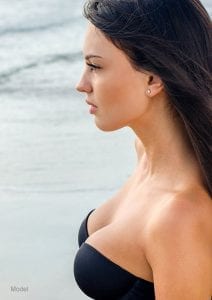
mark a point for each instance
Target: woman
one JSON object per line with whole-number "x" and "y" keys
{"x": 148, "y": 66}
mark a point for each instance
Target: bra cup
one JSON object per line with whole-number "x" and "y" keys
{"x": 83, "y": 231}
{"x": 98, "y": 277}
{"x": 101, "y": 279}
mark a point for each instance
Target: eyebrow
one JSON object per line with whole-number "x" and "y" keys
{"x": 92, "y": 56}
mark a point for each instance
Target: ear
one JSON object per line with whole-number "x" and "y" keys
{"x": 154, "y": 85}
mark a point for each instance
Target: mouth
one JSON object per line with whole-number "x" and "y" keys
{"x": 90, "y": 103}
{"x": 93, "y": 107}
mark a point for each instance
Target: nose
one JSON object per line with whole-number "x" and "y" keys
{"x": 84, "y": 86}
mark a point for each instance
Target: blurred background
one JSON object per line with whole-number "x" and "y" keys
{"x": 55, "y": 165}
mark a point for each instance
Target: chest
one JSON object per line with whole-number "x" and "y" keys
{"x": 104, "y": 266}
{"x": 119, "y": 233}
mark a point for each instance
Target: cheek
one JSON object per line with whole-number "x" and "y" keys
{"x": 123, "y": 96}
{"x": 108, "y": 88}
{"x": 121, "y": 99}
{"x": 119, "y": 107}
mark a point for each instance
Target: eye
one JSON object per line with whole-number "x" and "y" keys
{"x": 92, "y": 67}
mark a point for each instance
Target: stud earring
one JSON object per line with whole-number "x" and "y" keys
{"x": 148, "y": 92}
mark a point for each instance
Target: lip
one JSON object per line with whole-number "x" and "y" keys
{"x": 93, "y": 107}
{"x": 90, "y": 103}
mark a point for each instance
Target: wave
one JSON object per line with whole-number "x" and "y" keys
{"x": 21, "y": 29}
{"x": 66, "y": 57}
{"x": 48, "y": 190}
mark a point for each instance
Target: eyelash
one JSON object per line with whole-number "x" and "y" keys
{"x": 92, "y": 67}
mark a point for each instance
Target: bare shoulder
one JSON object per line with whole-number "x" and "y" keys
{"x": 192, "y": 208}
{"x": 186, "y": 215}
{"x": 179, "y": 246}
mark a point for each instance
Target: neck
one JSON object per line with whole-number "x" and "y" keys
{"x": 168, "y": 154}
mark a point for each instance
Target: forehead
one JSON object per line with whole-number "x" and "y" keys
{"x": 96, "y": 43}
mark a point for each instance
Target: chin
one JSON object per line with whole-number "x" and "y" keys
{"x": 108, "y": 127}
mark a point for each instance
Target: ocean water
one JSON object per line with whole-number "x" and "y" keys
{"x": 55, "y": 164}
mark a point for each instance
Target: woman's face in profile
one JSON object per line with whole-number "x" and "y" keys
{"x": 111, "y": 84}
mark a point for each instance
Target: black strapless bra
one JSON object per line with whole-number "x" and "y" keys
{"x": 101, "y": 279}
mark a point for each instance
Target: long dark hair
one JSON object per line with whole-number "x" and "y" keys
{"x": 172, "y": 39}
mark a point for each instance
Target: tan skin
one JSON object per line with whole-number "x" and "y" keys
{"x": 158, "y": 226}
